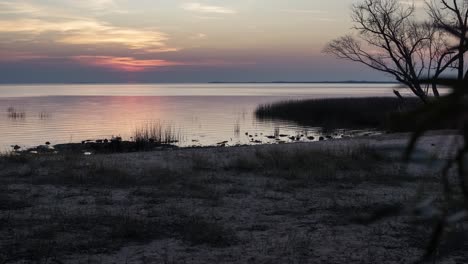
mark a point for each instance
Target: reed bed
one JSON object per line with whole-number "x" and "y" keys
{"x": 14, "y": 113}
{"x": 350, "y": 113}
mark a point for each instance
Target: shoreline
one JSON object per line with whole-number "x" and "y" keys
{"x": 105, "y": 148}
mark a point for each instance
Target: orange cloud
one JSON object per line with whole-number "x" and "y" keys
{"x": 90, "y": 32}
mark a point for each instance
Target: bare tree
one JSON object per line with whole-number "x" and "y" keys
{"x": 452, "y": 16}
{"x": 390, "y": 40}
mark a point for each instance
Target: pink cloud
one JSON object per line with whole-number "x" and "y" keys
{"x": 124, "y": 63}
{"x": 130, "y": 64}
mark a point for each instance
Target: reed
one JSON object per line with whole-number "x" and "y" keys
{"x": 350, "y": 113}
{"x": 156, "y": 133}
{"x": 237, "y": 128}
{"x": 44, "y": 115}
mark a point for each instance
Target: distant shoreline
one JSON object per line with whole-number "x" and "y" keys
{"x": 213, "y": 82}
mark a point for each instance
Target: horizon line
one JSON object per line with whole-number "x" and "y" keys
{"x": 211, "y": 82}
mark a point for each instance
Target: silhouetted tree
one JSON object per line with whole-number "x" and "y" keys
{"x": 452, "y": 16}
{"x": 452, "y": 107}
{"x": 391, "y": 40}
{"x": 448, "y": 212}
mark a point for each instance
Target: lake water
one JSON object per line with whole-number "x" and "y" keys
{"x": 203, "y": 114}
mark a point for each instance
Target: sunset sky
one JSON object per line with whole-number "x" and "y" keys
{"x": 173, "y": 41}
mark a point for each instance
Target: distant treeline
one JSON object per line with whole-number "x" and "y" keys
{"x": 312, "y": 82}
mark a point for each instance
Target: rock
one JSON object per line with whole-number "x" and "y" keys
{"x": 321, "y": 138}
{"x": 47, "y": 143}
{"x": 16, "y": 147}
{"x": 271, "y": 137}
{"x": 43, "y": 147}
{"x": 310, "y": 138}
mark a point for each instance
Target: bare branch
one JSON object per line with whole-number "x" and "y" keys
{"x": 391, "y": 41}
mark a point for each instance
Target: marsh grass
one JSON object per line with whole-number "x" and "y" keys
{"x": 303, "y": 167}
{"x": 296, "y": 164}
{"x": 340, "y": 113}
{"x": 300, "y": 159}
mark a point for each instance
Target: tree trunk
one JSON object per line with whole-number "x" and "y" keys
{"x": 435, "y": 91}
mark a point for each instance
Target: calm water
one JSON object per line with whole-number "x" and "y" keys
{"x": 205, "y": 114}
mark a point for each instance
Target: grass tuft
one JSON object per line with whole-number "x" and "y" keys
{"x": 155, "y": 133}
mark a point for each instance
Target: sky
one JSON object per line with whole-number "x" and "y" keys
{"x": 60, "y": 41}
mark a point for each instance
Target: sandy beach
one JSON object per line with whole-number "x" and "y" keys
{"x": 288, "y": 203}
